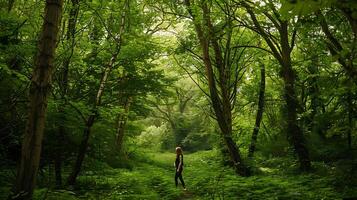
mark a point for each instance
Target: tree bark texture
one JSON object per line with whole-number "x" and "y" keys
{"x": 260, "y": 111}
{"x": 38, "y": 94}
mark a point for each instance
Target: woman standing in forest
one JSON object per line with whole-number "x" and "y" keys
{"x": 179, "y": 167}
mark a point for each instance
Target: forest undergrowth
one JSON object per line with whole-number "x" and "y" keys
{"x": 150, "y": 176}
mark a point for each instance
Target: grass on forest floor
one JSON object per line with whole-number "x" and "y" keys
{"x": 273, "y": 179}
{"x": 152, "y": 178}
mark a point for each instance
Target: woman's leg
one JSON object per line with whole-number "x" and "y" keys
{"x": 181, "y": 179}
{"x": 176, "y": 177}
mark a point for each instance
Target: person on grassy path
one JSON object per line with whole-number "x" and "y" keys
{"x": 179, "y": 167}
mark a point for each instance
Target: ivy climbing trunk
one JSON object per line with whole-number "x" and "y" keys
{"x": 38, "y": 94}
{"x": 260, "y": 111}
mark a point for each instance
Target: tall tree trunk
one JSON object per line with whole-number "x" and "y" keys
{"x": 295, "y": 134}
{"x": 70, "y": 38}
{"x": 260, "y": 111}
{"x": 121, "y": 123}
{"x": 221, "y": 106}
{"x": 39, "y": 89}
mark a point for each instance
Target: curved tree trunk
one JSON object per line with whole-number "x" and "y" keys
{"x": 260, "y": 111}
{"x": 39, "y": 89}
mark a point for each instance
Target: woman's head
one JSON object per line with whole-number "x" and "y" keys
{"x": 178, "y": 150}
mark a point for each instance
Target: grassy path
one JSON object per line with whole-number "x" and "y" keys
{"x": 152, "y": 177}
{"x": 274, "y": 179}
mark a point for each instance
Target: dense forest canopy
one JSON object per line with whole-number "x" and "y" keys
{"x": 97, "y": 94}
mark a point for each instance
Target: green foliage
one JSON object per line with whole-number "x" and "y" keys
{"x": 156, "y": 138}
{"x": 160, "y": 67}
{"x": 291, "y": 8}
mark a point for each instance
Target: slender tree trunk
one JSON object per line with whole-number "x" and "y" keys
{"x": 82, "y": 150}
{"x": 58, "y": 152}
{"x": 89, "y": 123}
{"x": 70, "y": 38}
{"x": 121, "y": 123}
{"x": 260, "y": 111}
{"x": 39, "y": 89}
{"x": 91, "y": 119}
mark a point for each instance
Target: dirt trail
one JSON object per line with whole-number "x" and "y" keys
{"x": 187, "y": 195}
